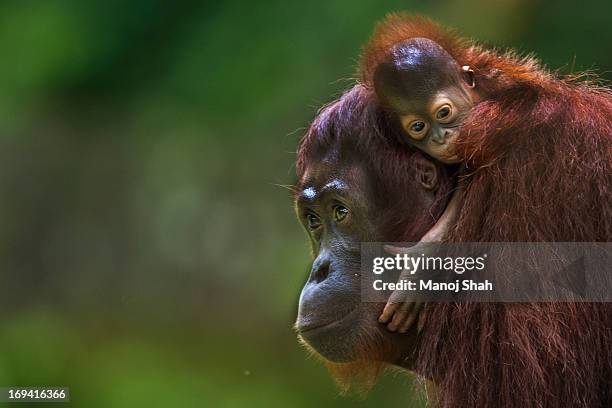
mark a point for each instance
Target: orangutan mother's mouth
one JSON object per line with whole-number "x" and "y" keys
{"x": 310, "y": 328}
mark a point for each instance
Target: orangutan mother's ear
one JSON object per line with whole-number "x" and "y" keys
{"x": 427, "y": 173}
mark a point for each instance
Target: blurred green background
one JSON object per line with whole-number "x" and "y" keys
{"x": 147, "y": 255}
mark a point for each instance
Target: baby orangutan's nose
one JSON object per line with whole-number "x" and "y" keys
{"x": 440, "y": 137}
{"x": 450, "y": 135}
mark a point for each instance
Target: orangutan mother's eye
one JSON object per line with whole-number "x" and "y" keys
{"x": 312, "y": 221}
{"x": 340, "y": 213}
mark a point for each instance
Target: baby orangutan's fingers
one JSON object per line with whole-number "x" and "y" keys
{"x": 411, "y": 318}
{"x": 388, "y": 312}
{"x": 401, "y": 314}
{"x": 393, "y": 303}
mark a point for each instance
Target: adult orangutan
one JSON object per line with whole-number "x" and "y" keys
{"x": 545, "y": 175}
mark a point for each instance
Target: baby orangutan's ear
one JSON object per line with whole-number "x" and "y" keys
{"x": 427, "y": 173}
{"x": 469, "y": 75}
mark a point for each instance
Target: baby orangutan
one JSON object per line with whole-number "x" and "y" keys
{"x": 431, "y": 95}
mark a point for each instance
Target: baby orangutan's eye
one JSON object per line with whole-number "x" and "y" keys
{"x": 417, "y": 129}
{"x": 418, "y": 126}
{"x": 444, "y": 112}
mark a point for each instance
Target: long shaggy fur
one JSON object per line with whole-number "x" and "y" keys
{"x": 539, "y": 153}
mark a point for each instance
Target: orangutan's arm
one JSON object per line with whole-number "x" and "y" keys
{"x": 402, "y": 311}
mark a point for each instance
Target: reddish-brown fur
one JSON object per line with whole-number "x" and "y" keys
{"x": 539, "y": 152}
{"x": 354, "y": 130}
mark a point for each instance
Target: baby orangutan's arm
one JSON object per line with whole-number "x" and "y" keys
{"x": 400, "y": 309}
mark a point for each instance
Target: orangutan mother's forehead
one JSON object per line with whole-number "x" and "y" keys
{"x": 330, "y": 176}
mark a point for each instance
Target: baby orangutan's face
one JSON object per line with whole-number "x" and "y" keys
{"x": 435, "y": 128}
{"x": 431, "y": 93}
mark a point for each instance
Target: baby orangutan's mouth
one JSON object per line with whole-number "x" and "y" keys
{"x": 447, "y": 154}
{"x": 449, "y": 159}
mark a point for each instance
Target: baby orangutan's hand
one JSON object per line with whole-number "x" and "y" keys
{"x": 402, "y": 309}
